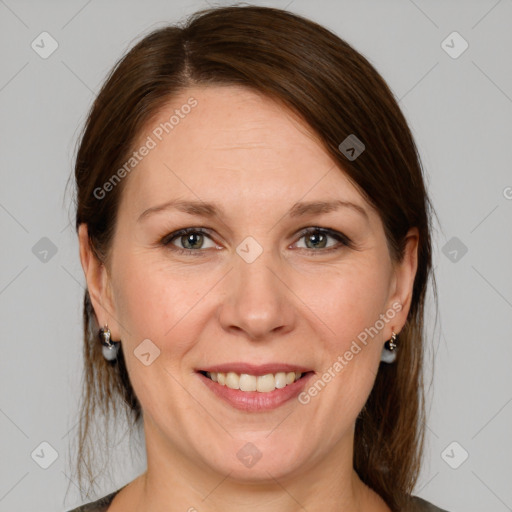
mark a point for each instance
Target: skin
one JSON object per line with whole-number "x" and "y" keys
{"x": 295, "y": 303}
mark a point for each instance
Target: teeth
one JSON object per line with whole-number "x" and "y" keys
{"x": 248, "y": 383}
{"x": 262, "y": 383}
{"x": 232, "y": 380}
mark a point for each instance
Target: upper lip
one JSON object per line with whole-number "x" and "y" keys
{"x": 253, "y": 369}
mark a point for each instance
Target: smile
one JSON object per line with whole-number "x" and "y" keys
{"x": 255, "y": 388}
{"x": 261, "y": 383}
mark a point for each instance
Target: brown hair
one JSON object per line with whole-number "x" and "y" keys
{"x": 337, "y": 92}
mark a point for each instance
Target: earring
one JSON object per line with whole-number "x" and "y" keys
{"x": 110, "y": 348}
{"x": 388, "y": 351}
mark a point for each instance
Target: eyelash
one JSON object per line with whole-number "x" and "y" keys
{"x": 167, "y": 240}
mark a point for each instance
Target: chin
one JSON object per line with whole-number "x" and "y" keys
{"x": 260, "y": 460}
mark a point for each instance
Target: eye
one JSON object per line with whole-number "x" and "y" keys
{"x": 191, "y": 240}
{"x": 317, "y": 238}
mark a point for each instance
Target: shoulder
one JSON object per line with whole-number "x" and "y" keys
{"x": 421, "y": 505}
{"x": 100, "y": 505}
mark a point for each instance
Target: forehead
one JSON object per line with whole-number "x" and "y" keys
{"x": 232, "y": 144}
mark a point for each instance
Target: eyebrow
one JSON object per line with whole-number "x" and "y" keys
{"x": 300, "y": 209}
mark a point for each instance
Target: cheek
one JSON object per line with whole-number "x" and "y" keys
{"x": 150, "y": 301}
{"x": 353, "y": 303}
{"x": 352, "y": 351}
{"x": 157, "y": 306}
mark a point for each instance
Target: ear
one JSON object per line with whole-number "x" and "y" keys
{"x": 403, "y": 282}
{"x": 98, "y": 284}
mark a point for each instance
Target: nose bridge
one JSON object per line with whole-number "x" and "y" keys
{"x": 256, "y": 271}
{"x": 257, "y": 301}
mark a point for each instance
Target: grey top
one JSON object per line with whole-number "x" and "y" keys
{"x": 101, "y": 505}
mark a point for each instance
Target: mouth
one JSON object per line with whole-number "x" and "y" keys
{"x": 255, "y": 388}
{"x": 261, "y": 383}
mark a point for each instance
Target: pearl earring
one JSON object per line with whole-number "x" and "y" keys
{"x": 110, "y": 348}
{"x": 389, "y": 350}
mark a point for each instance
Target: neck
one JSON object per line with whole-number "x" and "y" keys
{"x": 173, "y": 483}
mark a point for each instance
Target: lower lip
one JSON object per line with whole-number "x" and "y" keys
{"x": 253, "y": 401}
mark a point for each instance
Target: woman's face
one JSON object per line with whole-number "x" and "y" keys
{"x": 253, "y": 289}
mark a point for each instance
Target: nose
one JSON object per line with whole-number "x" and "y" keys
{"x": 258, "y": 302}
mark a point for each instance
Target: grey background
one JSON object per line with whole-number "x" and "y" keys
{"x": 460, "y": 111}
